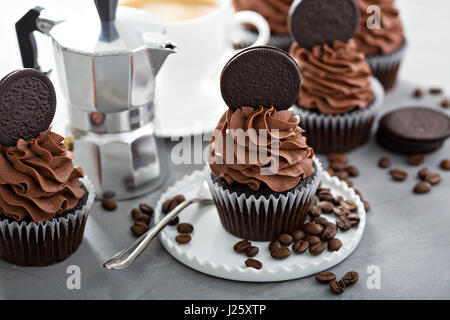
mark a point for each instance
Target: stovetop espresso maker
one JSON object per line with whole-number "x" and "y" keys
{"x": 106, "y": 62}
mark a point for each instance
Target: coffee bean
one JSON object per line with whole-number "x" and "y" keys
{"x": 173, "y": 205}
{"x": 359, "y": 193}
{"x": 337, "y": 166}
{"x": 435, "y": 90}
{"x": 336, "y": 287}
{"x": 300, "y": 246}
{"x": 350, "y": 278}
{"x": 348, "y": 182}
{"x": 298, "y": 235}
{"x": 252, "y": 263}
{"x": 342, "y": 174}
{"x": 174, "y": 221}
{"x": 251, "y": 251}
{"x": 143, "y": 218}
{"x": 109, "y": 194}
{"x": 354, "y": 219}
{"x": 336, "y": 156}
{"x": 418, "y": 93}
{"x": 423, "y": 173}
{"x": 314, "y": 211}
{"x": 398, "y": 175}
{"x": 325, "y": 277}
{"x": 179, "y": 198}
{"x": 326, "y": 206}
{"x": 349, "y": 204}
{"x": 445, "y": 103}
{"x": 433, "y": 178}
{"x": 337, "y": 200}
{"x": 330, "y": 171}
{"x": 445, "y": 164}
{"x": 185, "y": 228}
{"x": 341, "y": 211}
{"x": 416, "y": 160}
{"x": 135, "y": 213}
{"x": 312, "y": 240}
{"x": 241, "y": 246}
{"x": 352, "y": 171}
{"x": 285, "y": 239}
{"x": 422, "y": 187}
{"x": 343, "y": 223}
{"x": 275, "y": 244}
{"x": 139, "y": 228}
{"x": 166, "y": 205}
{"x": 384, "y": 162}
{"x": 109, "y": 205}
{"x": 146, "y": 209}
{"x": 322, "y": 221}
{"x": 183, "y": 238}
{"x": 366, "y": 206}
{"x": 313, "y": 228}
{"x": 326, "y": 196}
{"x": 334, "y": 244}
{"x": 329, "y": 232}
{"x": 281, "y": 253}
{"x": 317, "y": 248}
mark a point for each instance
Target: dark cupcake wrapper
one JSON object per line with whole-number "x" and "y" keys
{"x": 327, "y": 133}
{"x": 45, "y": 243}
{"x": 385, "y": 67}
{"x": 264, "y": 219}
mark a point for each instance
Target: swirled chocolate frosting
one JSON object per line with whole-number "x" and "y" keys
{"x": 285, "y": 146}
{"x": 335, "y": 79}
{"x": 384, "y": 40}
{"x": 274, "y": 11}
{"x": 38, "y": 179}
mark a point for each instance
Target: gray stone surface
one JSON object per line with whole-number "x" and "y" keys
{"x": 406, "y": 235}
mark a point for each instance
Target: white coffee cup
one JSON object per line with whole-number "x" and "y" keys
{"x": 187, "y": 87}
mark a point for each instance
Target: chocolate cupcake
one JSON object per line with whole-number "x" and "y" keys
{"x": 384, "y": 47}
{"x": 276, "y": 14}
{"x": 44, "y": 199}
{"x": 263, "y": 173}
{"x": 339, "y": 98}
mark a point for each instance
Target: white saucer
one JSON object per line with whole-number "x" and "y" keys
{"x": 211, "y": 248}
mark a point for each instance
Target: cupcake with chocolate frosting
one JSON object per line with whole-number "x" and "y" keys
{"x": 384, "y": 47}
{"x": 276, "y": 14}
{"x": 263, "y": 173}
{"x": 44, "y": 199}
{"x": 339, "y": 98}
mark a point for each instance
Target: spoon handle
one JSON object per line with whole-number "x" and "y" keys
{"x": 126, "y": 257}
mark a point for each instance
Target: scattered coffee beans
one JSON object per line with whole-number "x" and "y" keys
{"x": 423, "y": 173}
{"x": 445, "y": 164}
{"x": 325, "y": 277}
{"x": 280, "y": 253}
{"x": 285, "y": 239}
{"x": 435, "y": 90}
{"x": 342, "y": 174}
{"x": 418, "y": 93}
{"x": 135, "y": 213}
{"x": 317, "y": 248}
{"x": 185, "y": 228}
{"x": 352, "y": 171}
{"x": 109, "y": 194}
{"x": 314, "y": 211}
{"x": 171, "y": 204}
{"x": 143, "y": 218}
{"x": 326, "y": 206}
{"x": 275, "y": 245}
{"x": 251, "y": 251}
{"x": 174, "y": 221}
{"x": 398, "y": 175}
{"x": 338, "y": 157}
{"x": 336, "y": 287}
{"x": 252, "y": 263}
{"x": 350, "y": 278}
{"x": 445, "y": 103}
{"x": 366, "y": 206}
{"x": 334, "y": 244}
{"x": 422, "y": 187}
{"x": 329, "y": 232}
{"x": 241, "y": 246}
{"x": 109, "y": 205}
{"x": 183, "y": 238}
{"x": 312, "y": 228}
{"x": 343, "y": 223}
{"x": 298, "y": 235}
{"x": 384, "y": 162}
{"x": 416, "y": 160}
{"x": 146, "y": 209}
{"x": 139, "y": 228}
{"x": 312, "y": 240}
{"x": 300, "y": 246}
{"x": 433, "y": 178}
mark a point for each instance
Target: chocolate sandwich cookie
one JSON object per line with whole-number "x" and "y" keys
{"x": 27, "y": 105}
{"x": 319, "y": 22}
{"x": 413, "y": 130}
{"x": 260, "y": 76}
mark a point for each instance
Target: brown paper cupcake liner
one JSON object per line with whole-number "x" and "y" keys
{"x": 45, "y": 243}
{"x": 264, "y": 219}
{"x": 385, "y": 67}
{"x": 327, "y": 133}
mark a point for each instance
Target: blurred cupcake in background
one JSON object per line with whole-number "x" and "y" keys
{"x": 384, "y": 47}
{"x": 276, "y": 14}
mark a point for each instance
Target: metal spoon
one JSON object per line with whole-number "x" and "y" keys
{"x": 126, "y": 257}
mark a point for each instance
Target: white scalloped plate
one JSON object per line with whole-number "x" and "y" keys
{"x": 211, "y": 248}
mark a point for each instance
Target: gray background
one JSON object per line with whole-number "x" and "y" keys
{"x": 406, "y": 235}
